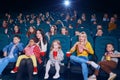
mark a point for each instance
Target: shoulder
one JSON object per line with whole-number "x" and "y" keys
{"x": 77, "y": 43}
{"x": 116, "y": 52}
{"x": 20, "y": 44}
{"x": 88, "y": 43}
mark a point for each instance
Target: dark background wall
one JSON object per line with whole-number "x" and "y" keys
{"x": 34, "y": 5}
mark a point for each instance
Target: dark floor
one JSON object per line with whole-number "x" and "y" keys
{"x": 66, "y": 76}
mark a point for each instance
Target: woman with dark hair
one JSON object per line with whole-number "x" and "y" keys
{"x": 31, "y": 32}
{"x": 53, "y": 30}
{"x": 16, "y": 30}
{"x": 64, "y": 31}
{"x": 42, "y": 42}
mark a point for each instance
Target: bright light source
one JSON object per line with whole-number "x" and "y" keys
{"x": 67, "y": 3}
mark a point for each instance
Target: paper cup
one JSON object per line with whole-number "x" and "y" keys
{"x": 68, "y": 54}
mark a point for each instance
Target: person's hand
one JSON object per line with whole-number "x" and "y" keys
{"x": 5, "y": 54}
{"x": 41, "y": 39}
{"x": 28, "y": 55}
{"x": 55, "y": 57}
{"x": 114, "y": 55}
{"x": 80, "y": 47}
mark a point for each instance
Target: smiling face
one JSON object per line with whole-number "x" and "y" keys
{"x": 63, "y": 31}
{"x": 82, "y": 37}
{"x": 109, "y": 47}
{"x": 31, "y": 29}
{"x": 38, "y": 34}
{"x": 31, "y": 42}
{"x": 52, "y": 29}
{"x": 16, "y": 28}
{"x": 55, "y": 45}
{"x": 16, "y": 40}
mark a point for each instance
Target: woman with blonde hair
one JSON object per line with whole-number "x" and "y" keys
{"x": 83, "y": 49}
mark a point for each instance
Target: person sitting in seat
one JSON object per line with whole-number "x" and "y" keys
{"x": 30, "y": 50}
{"x": 108, "y": 63}
{"x": 11, "y": 52}
{"x": 56, "y": 56}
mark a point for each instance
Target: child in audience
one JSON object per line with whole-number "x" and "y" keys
{"x": 109, "y": 62}
{"x": 10, "y": 53}
{"x": 30, "y": 50}
{"x": 56, "y": 56}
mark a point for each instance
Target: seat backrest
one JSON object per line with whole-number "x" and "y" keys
{"x": 24, "y": 38}
{"x": 4, "y": 40}
{"x": 100, "y": 44}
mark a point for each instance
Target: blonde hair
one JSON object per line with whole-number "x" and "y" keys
{"x": 58, "y": 42}
{"x": 85, "y": 35}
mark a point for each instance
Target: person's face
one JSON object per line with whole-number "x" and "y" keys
{"x": 38, "y": 21}
{"x": 99, "y": 27}
{"x": 106, "y": 15}
{"x": 112, "y": 19}
{"x": 16, "y": 28}
{"x": 99, "y": 33}
{"x": 109, "y": 47}
{"x": 38, "y": 35}
{"x": 63, "y": 31}
{"x": 79, "y": 21}
{"x": 77, "y": 33}
{"x": 31, "y": 42}
{"x": 82, "y": 38}
{"x": 16, "y": 40}
{"x": 52, "y": 29}
{"x": 31, "y": 29}
{"x": 55, "y": 45}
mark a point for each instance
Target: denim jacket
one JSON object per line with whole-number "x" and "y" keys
{"x": 19, "y": 48}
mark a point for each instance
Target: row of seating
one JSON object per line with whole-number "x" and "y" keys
{"x": 67, "y": 42}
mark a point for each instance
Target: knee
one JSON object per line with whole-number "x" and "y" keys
{"x": 49, "y": 62}
{"x": 23, "y": 61}
{"x": 20, "y": 57}
{"x": 84, "y": 65}
{"x": 6, "y": 61}
{"x": 29, "y": 61}
{"x": 100, "y": 63}
{"x": 72, "y": 57}
{"x": 56, "y": 63}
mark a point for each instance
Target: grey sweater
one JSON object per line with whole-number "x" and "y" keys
{"x": 60, "y": 56}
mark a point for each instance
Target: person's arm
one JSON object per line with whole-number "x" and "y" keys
{"x": 116, "y": 54}
{"x": 50, "y": 55}
{"x": 73, "y": 48}
{"x": 20, "y": 47}
{"x": 43, "y": 46}
{"x": 61, "y": 57}
{"x": 5, "y": 49}
{"x": 36, "y": 50}
{"x": 89, "y": 48}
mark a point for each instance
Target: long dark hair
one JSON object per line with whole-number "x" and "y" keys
{"x": 29, "y": 33}
{"x": 43, "y": 35}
